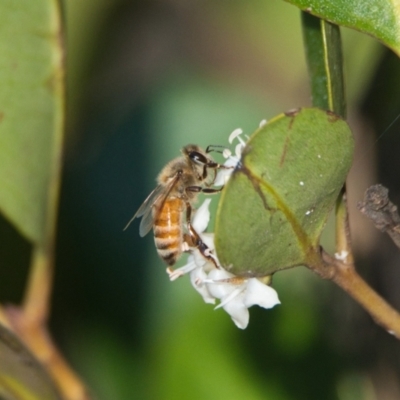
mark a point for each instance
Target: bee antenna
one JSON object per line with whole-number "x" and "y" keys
{"x": 214, "y": 147}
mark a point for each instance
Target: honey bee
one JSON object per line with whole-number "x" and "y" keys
{"x": 179, "y": 183}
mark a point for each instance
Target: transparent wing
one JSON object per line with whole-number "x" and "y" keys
{"x": 150, "y": 200}
{"x": 146, "y": 207}
{"x": 153, "y": 201}
{"x": 147, "y": 221}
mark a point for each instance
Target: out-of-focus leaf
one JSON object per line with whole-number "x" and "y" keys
{"x": 22, "y": 377}
{"x": 379, "y": 18}
{"x": 275, "y": 205}
{"x": 31, "y": 111}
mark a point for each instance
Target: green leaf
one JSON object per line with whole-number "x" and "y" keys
{"x": 378, "y": 18}
{"x": 22, "y": 377}
{"x": 31, "y": 112}
{"x": 275, "y": 205}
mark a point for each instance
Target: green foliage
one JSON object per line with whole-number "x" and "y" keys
{"x": 275, "y": 205}
{"x": 31, "y": 127}
{"x": 379, "y": 18}
{"x": 31, "y": 110}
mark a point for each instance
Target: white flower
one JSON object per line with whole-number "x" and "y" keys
{"x": 231, "y": 161}
{"x": 236, "y": 294}
{"x": 201, "y": 217}
{"x": 197, "y": 277}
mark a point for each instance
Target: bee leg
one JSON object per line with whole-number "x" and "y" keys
{"x": 215, "y": 167}
{"x": 207, "y": 253}
{"x": 211, "y": 190}
{"x": 198, "y": 189}
{"x": 215, "y": 173}
{"x": 196, "y": 239}
{"x": 187, "y": 243}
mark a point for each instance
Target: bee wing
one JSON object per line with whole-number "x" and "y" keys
{"x": 155, "y": 199}
{"x": 146, "y": 207}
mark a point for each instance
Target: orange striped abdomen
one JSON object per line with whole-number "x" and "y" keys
{"x": 168, "y": 230}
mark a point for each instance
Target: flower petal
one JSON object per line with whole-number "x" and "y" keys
{"x": 259, "y": 294}
{"x": 226, "y": 153}
{"x": 239, "y": 149}
{"x": 236, "y": 133}
{"x": 219, "y": 289}
{"x": 236, "y": 295}
{"x": 224, "y": 174}
{"x": 202, "y": 217}
{"x": 197, "y": 276}
{"x": 238, "y": 312}
{"x": 222, "y": 177}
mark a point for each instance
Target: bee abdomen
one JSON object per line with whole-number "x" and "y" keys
{"x": 168, "y": 231}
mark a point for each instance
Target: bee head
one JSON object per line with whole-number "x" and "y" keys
{"x": 195, "y": 154}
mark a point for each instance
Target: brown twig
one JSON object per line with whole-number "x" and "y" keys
{"x": 383, "y": 213}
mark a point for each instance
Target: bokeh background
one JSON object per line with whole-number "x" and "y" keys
{"x": 146, "y": 78}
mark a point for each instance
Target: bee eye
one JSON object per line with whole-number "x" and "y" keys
{"x": 197, "y": 157}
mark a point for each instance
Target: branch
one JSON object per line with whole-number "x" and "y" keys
{"x": 383, "y": 213}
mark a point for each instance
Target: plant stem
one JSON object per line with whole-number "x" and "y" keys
{"x": 37, "y": 296}
{"x": 325, "y": 64}
{"x": 343, "y": 239}
{"x": 324, "y": 56}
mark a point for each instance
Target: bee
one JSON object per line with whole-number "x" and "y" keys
{"x": 165, "y": 208}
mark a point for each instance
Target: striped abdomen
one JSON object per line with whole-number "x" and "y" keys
{"x": 168, "y": 230}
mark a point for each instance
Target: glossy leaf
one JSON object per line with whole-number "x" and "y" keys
{"x": 31, "y": 111}
{"x": 22, "y": 377}
{"x": 274, "y": 206}
{"x": 378, "y": 18}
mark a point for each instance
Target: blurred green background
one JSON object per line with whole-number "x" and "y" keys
{"x": 146, "y": 78}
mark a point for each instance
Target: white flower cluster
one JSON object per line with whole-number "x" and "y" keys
{"x": 236, "y": 294}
